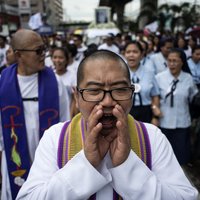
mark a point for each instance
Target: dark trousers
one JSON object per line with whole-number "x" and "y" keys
{"x": 180, "y": 141}
{"x": 142, "y": 113}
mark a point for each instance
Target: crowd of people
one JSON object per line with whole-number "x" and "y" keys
{"x": 151, "y": 79}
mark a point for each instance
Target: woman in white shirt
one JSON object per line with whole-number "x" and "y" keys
{"x": 177, "y": 90}
{"x": 60, "y": 58}
{"x": 146, "y": 97}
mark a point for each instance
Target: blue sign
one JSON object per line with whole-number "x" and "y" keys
{"x": 45, "y": 30}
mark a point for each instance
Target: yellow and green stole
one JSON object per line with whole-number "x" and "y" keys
{"x": 72, "y": 138}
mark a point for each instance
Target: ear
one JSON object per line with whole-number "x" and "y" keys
{"x": 17, "y": 54}
{"x": 76, "y": 96}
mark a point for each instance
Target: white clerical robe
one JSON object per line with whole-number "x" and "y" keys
{"x": 133, "y": 180}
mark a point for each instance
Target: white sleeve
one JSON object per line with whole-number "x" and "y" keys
{"x": 64, "y": 102}
{"x": 78, "y": 179}
{"x": 133, "y": 180}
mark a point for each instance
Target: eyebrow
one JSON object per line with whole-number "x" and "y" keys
{"x": 103, "y": 84}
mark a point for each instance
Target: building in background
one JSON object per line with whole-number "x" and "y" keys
{"x": 9, "y": 18}
{"x": 54, "y": 11}
{"x": 15, "y": 14}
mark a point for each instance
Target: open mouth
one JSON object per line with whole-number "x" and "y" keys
{"x": 108, "y": 121}
{"x": 132, "y": 61}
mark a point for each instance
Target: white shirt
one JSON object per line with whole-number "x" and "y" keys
{"x": 69, "y": 81}
{"x": 73, "y": 66}
{"x": 195, "y": 70}
{"x": 29, "y": 88}
{"x": 112, "y": 48}
{"x": 133, "y": 180}
{"x": 68, "y": 78}
{"x": 3, "y": 60}
{"x": 80, "y": 53}
{"x": 159, "y": 62}
{"x": 148, "y": 85}
{"x": 177, "y": 116}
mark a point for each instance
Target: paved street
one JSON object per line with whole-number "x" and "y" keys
{"x": 193, "y": 173}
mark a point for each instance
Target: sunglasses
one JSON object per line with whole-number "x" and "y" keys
{"x": 39, "y": 51}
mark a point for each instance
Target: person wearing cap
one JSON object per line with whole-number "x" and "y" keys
{"x": 109, "y": 44}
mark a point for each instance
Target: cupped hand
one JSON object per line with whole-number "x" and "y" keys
{"x": 96, "y": 146}
{"x": 120, "y": 147}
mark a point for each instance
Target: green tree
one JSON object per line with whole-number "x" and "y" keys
{"x": 148, "y": 12}
{"x": 148, "y": 7}
{"x": 182, "y": 16}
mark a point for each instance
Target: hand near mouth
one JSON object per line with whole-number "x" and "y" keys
{"x": 120, "y": 146}
{"x": 95, "y": 146}
{"x": 100, "y": 139}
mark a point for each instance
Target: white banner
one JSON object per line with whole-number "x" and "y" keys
{"x": 152, "y": 26}
{"x": 35, "y": 21}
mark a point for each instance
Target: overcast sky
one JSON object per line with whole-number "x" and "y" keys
{"x": 84, "y": 9}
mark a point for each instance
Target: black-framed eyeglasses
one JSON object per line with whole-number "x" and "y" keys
{"x": 117, "y": 94}
{"x": 39, "y": 51}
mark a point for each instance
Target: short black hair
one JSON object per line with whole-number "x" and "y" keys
{"x": 72, "y": 49}
{"x": 91, "y": 49}
{"x": 136, "y": 43}
{"x": 3, "y": 37}
{"x": 183, "y": 58}
{"x": 64, "y": 50}
{"x": 196, "y": 47}
{"x": 105, "y": 54}
{"x": 163, "y": 41}
{"x": 78, "y": 36}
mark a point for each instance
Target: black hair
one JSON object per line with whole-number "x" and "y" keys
{"x": 127, "y": 38}
{"x": 183, "y": 57}
{"x": 64, "y": 50}
{"x": 135, "y": 43}
{"x": 163, "y": 42}
{"x": 100, "y": 54}
{"x": 195, "y": 48}
{"x": 177, "y": 40}
{"x": 91, "y": 49}
{"x": 72, "y": 49}
{"x": 3, "y": 37}
{"x": 80, "y": 37}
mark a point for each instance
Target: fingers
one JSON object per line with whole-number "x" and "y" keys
{"x": 120, "y": 147}
{"x": 121, "y": 116}
{"x": 94, "y": 117}
{"x": 122, "y": 122}
{"x": 93, "y": 125}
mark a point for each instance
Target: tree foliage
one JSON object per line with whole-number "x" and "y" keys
{"x": 182, "y": 16}
{"x": 171, "y": 17}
